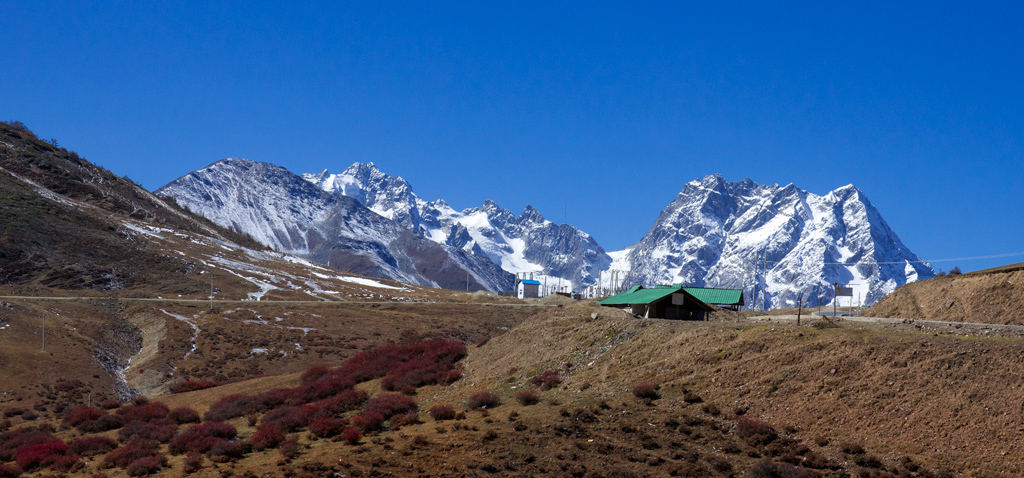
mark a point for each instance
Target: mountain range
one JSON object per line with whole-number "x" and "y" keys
{"x": 777, "y": 243}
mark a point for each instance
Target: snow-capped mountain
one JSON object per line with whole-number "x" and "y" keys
{"x": 289, "y": 214}
{"x": 556, "y": 254}
{"x": 726, "y": 234}
{"x": 776, "y": 243}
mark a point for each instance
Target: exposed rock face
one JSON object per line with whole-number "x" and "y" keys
{"x": 719, "y": 233}
{"x": 527, "y": 243}
{"x": 283, "y": 211}
{"x": 715, "y": 233}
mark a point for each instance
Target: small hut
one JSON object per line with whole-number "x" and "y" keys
{"x": 528, "y": 289}
{"x": 660, "y": 302}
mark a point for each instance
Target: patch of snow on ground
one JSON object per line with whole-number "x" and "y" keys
{"x": 195, "y": 332}
{"x": 259, "y": 350}
{"x": 367, "y": 282}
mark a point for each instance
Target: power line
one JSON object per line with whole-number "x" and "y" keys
{"x": 922, "y": 261}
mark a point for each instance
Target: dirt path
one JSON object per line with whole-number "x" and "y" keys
{"x": 929, "y": 326}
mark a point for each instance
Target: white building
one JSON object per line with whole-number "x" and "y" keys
{"x": 527, "y": 289}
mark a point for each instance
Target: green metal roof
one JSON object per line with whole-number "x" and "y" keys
{"x": 716, "y": 296}
{"x": 640, "y": 295}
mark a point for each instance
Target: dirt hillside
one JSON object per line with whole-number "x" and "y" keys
{"x": 986, "y": 296}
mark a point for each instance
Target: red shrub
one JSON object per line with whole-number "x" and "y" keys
{"x": 104, "y": 423}
{"x": 351, "y": 435}
{"x": 161, "y": 430}
{"x": 225, "y": 450}
{"x": 268, "y": 435}
{"x": 442, "y": 412}
{"x": 425, "y": 363}
{"x": 202, "y": 437}
{"x": 369, "y": 421}
{"x": 313, "y": 374}
{"x": 290, "y": 419}
{"x": 134, "y": 450}
{"x": 401, "y": 420}
{"x": 528, "y": 397}
{"x": 326, "y": 427}
{"x": 192, "y": 385}
{"x": 143, "y": 413}
{"x": 350, "y": 399}
{"x": 646, "y": 391}
{"x": 79, "y": 414}
{"x": 547, "y": 380}
{"x": 147, "y": 465}
{"x": 67, "y": 385}
{"x": 755, "y": 431}
{"x": 9, "y": 471}
{"x": 233, "y": 406}
{"x": 12, "y": 442}
{"x": 67, "y": 463}
{"x": 483, "y": 400}
{"x": 390, "y": 404}
{"x": 109, "y": 404}
{"x": 91, "y": 445}
{"x": 182, "y": 415}
{"x": 40, "y": 454}
{"x": 275, "y": 398}
{"x": 193, "y": 462}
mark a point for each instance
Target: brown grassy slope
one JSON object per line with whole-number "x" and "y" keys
{"x": 987, "y": 298}
{"x": 948, "y": 401}
{"x": 249, "y": 339}
{"x": 61, "y": 221}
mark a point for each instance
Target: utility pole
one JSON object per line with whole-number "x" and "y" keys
{"x": 799, "y": 308}
{"x": 834, "y": 298}
{"x": 44, "y": 332}
{"x": 764, "y": 280}
{"x": 211, "y": 291}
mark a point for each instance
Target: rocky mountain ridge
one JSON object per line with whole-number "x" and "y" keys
{"x": 777, "y": 243}
{"x": 289, "y": 214}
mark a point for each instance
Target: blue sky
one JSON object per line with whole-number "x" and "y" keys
{"x": 591, "y": 111}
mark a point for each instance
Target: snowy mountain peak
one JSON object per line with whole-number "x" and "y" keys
{"x": 777, "y": 243}
{"x": 531, "y": 216}
{"x": 745, "y": 235}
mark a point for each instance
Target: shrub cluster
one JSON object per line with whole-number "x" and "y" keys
{"x": 351, "y": 435}
{"x": 183, "y": 415}
{"x": 327, "y": 427}
{"x": 425, "y": 363}
{"x": 547, "y": 380}
{"x": 290, "y": 419}
{"x": 401, "y": 367}
{"x": 755, "y": 431}
{"x": 146, "y": 465}
{"x": 201, "y": 438}
{"x": 646, "y": 391}
{"x": 528, "y": 397}
{"x": 134, "y": 450}
{"x": 442, "y": 412}
{"x": 160, "y": 429}
{"x": 80, "y": 415}
{"x": 35, "y": 447}
{"x": 390, "y": 404}
{"x": 9, "y": 470}
{"x": 91, "y": 445}
{"x": 41, "y": 454}
{"x": 483, "y": 400}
